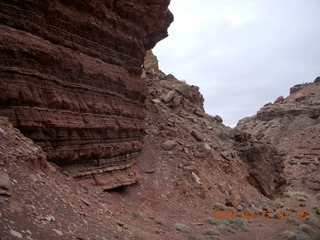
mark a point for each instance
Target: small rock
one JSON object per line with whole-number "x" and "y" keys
{"x": 51, "y": 167}
{"x": 50, "y": 218}
{"x": 57, "y": 232}
{"x": 218, "y": 119}
{"x": 234, "y": 200}
{"x": 227, "y": 155}
{"x": 85, "y": 201}
{"x": 205, "y": 146}
{"x": 169, "y": 145}
{"x": 195, "y": 178}
{"x": 156, "y": 101}
{"x": 121, "y": 224}
{"x": 169, "y": 96}
{"x": 299, "y": 97}
{"x": 176, "y": 101}
{"x": 197, "y": 135}
{"x": 33, "y": 178}
{"x": 279, "y": 100}
{"x": 199, "y": 112}
{"x": 15, "y": 234}
{"x": 5, "y": 185}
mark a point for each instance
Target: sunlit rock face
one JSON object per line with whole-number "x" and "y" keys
{"x": 70, "y": 80}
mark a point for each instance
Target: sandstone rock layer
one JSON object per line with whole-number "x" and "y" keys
{"x": 70, "y": 80}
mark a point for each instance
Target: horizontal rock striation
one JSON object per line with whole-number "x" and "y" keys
{"x": 70, "y": 80}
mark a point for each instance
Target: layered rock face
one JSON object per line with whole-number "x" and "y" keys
{"x": 70, "y": 80}
{"x": 293, "y": 125}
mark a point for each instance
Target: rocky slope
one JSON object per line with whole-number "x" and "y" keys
{"x": 190, "y": 165}
{"x": 77, "y": 108}
{"x": 70, "y": 80}
{"x": 293, "y": 125}
{"x": 177, "y": 121}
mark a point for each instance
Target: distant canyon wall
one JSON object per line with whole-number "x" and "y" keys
{"x": 70, "y": 80}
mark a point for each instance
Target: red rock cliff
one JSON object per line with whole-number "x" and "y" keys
{"x": 70, "y": 79}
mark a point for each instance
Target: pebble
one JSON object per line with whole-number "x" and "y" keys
{"x": 195, "y": 178}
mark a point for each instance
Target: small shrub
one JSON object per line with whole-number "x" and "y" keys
{"x": 289, "y": 235}
{"x": 236, "y": 223}
{"x": 183, "y": 228}
{"x": 194, "y": 238}
{"x": 211, "y": 232}
{"x": 296, "y": 194}
{"x": 307, "y": 229}
{"x": 136, "y": 215}
{"x": 213, "y": 221}
{"x": 294, "y": 221}
{"x": 225, "y": 229}
{"x": 311, "y": 220}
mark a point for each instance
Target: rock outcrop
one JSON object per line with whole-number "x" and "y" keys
{"x": 70, "y": 80}
{"x": 223, "y": 158}
{"x": 293, "y": 125}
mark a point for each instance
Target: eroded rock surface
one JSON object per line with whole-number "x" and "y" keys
{"x": 293, "y": 125}
{"x": 226, "y": 160}
{"x": 70, "y": 80}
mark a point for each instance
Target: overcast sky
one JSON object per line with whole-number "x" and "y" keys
{"x": 242, "y": 54}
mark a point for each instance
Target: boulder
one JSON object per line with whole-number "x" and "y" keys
{"x": 279, "y": 100}
{"x": 169, "y": 96}
{"x": 199, "y": 112}
{"x": 197, "y": 135}
{"x": 218, "y": 119}
{"x": 169, "y": 145}
{"x": 234, "y": 200}
{"x": 176, "y": 101}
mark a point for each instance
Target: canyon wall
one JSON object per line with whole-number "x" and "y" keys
{"x": 70, "y": 80}
{"x": 292, "y": 124}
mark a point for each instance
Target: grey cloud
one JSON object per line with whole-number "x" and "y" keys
{"x": 240, "y": 67}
